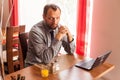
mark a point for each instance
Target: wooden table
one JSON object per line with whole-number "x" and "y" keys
{"x": 67, "y": 71}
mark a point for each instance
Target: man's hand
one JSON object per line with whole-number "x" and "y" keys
{"x": 62, "y": 31}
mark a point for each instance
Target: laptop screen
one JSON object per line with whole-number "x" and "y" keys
{"x": 101, "y": 59}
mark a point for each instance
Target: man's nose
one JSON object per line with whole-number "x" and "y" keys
{"x": 54, "y": 20}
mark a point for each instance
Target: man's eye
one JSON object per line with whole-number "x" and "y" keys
{"x": 50, "y": 18}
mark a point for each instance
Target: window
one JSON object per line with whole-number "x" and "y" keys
{"x": 30, "y": 12}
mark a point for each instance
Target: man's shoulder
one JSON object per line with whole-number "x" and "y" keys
{"x": 38, "y": 26}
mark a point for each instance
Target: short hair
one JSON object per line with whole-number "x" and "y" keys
{"x": 52, "y": 6}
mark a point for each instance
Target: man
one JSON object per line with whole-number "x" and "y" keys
{"x": 47, "y": 37}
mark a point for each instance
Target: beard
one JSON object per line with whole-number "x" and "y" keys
{"x": 53, "y": 26}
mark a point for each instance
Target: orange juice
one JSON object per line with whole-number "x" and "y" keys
{"x": 44, "y": 72}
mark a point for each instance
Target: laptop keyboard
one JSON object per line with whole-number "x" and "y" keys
{"x": 87, "y": 63}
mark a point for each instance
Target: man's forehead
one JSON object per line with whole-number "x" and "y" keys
{"x": 53, "y": 12}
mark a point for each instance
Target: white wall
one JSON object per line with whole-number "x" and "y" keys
{"x": 106, "y": 33}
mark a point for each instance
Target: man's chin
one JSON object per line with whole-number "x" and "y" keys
{"x": 54, "y": 26}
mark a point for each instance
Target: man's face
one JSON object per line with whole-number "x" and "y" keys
{"x": 52, "y": 18}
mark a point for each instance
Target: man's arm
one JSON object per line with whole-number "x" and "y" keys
{"x": 68, "y": 43}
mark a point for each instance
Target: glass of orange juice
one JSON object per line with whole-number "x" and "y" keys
{"x": 44, "y": 71}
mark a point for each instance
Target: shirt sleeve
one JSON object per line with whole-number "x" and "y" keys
{"x": 69, "y": 47}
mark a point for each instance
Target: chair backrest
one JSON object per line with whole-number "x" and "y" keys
{"x": 13, "y": 48}
{"x": 24, "y": 43}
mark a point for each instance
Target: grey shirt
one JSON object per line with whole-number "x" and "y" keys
{"x": 40, "y": 47}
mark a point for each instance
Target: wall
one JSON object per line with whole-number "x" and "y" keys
{"x": 106, "y": 33}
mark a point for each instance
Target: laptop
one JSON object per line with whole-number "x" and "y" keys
{"x": 91, "y": 63}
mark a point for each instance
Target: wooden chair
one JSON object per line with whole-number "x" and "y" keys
{"x": 24, "y": 43}
{"x": 13, "y": 48}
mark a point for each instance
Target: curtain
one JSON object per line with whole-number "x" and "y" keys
{"x": 14, "y": 15}
{"x": 81, "y": 27}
